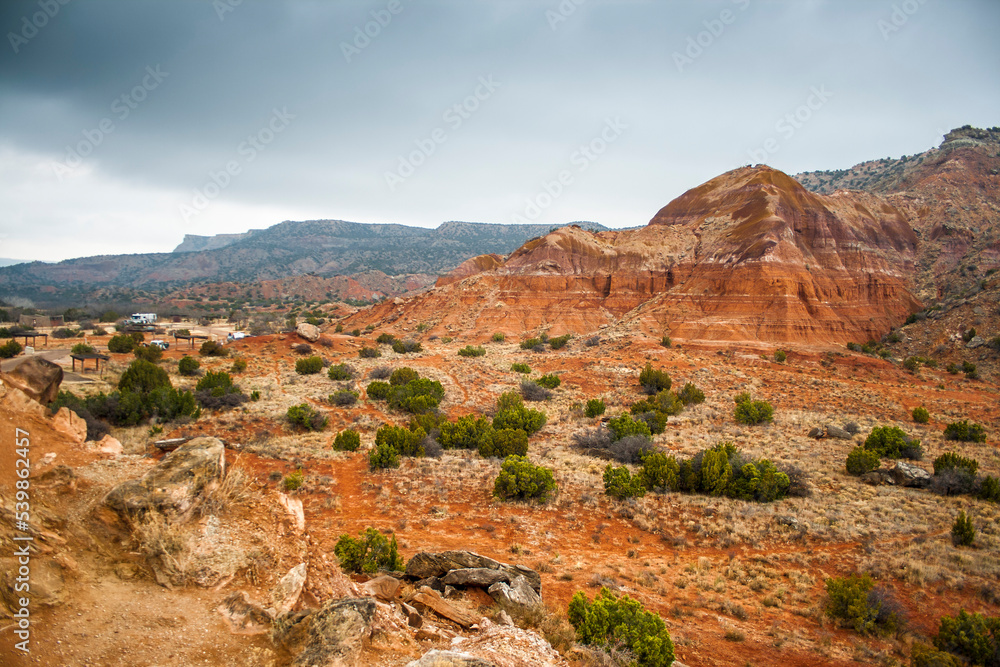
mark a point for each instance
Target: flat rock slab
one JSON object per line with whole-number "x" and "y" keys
{"x": 475, "y": 576}
{"x": 907, "y": 474}
{"x": 431, "y": 599}
{"x": 438, "y": 658}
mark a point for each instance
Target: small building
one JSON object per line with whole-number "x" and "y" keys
{"x": 35, "y": 321}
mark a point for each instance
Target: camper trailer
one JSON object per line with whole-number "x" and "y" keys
{"x": 142, "y": 318}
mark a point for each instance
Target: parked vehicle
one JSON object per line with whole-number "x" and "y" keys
{"x": 162, "y": 344}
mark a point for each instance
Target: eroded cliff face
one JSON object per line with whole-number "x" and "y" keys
{"x": 749, "y": 255}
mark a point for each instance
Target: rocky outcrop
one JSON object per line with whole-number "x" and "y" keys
{"x": 308, "y": 331}
{"x": 332, "y": 635}
{"x": 748, "y": 255}
{"x": 517, "y": 594}
{"x": 427, "y": 564}
{"x": 286, "y": 593}
{"x": 436, "y": 658}
{"x": 907, "y": 474}
{"x": 177, "y": 485}
{"x": 37, "y": 377}
{"x": 383, "y": 587}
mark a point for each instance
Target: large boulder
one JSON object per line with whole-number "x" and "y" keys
{"x": 70, "y": 424}
{"x": 38, "y": 378}
{"x": 382, "y": 587}
{"x": 332, "y": 635}
{"x": 518, "y": 594}
{"x": 837, "y": 432}
{"x": 907, "y": 474}
{"x": 287, "y": 591}
{"x": 308, "y": 331}
{"x": 427, "y": 564}
{"x": 178, "y": 483}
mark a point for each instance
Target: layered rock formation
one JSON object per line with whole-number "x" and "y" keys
{"x": 750, "y": 254}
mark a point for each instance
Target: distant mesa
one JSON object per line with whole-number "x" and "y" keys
{"x": 195, "y": 243}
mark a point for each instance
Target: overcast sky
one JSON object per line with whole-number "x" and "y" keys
{"x": 125, "y": 125}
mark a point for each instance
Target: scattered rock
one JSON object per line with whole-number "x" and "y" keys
{"x": 383, "y": 587}
{"x": 70, "y": 424}
{"x": 907, "y": 474}
{"x": 427, "y": 564}
{"x": 878, "y": 477}
{"x": 518, "y": 593}
{"x": 504, "y": 618}
{"x": 308, "y": 331}
{"x": 977, "y": 341}
{"x": 286, "y": 592}
{"x": 242, "y": 616}
{"x": 817, "y": 432}
{"x": 178, "y": 483}
{"x": 296, "y": 515}
{"x": 109, "y": 445}
{"x": 436, "y": 658}
{"x": 333, "y": 635}
{"x": 430, "y": 582}
{"x": 37, "y": 377}
{"x": 837, "y": 432}
{"x": 789, "y": 521}
{"x": 413, "y": 617}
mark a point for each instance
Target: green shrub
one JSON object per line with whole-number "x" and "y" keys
{"x": 610, "y": 621}
{"x": 417, "y": 396}
{"x": 974, "y": 637}
{"x": 406, "y": 346}
{"x": 293, "y": 480}
{"x": 383, "y": 456}
{"x": 210, "y": 348}
{"x": 403, "y": 441}
{"x": 619, "y": 483}
{"x": 306, "y": 416}
{"x": 504, "y": 442}
{"x": 347, "y": 441}
{"x": 953, "y": 368}
{"x": 969, "y": 335}
{"x": 239, "y": 365}
{"x": 520, "y": 479}
{"x": 369, "y": 353}
{"x": 369, "y": 553}
{"x": 854, "y": 347}
{"x": 10, "y": 349}
{"x": 309, "y": 365}
{"x": 520, "y": 368}
{"x": 378, "y": 390}
{"x": 858, "y": 603}
{"x": 121, "y": 344}
{"x": 385, "y": 339}
{"x": 922, "y": 655}
{"x": 920, "y": 415}
{"x": 511, "y": 413}
{"x": 990, "y": 489}
{"x": 550, "y": 381}
{"x": 623, "y": 425}
{"x": 188, "y": 365}
{"x": 970, "y": 370}
{"x": 654, "y": 381}
{"x": 861, "y": 460}
{"x": 142, "y": 377}
{"x": 752, "y": 412}
{"x": 340, "y": 372}
{"x": 780, "y": 356}
{"x": 82, "y": 348}
{"x": 595, "y": 407}
{"x": 963, "y": 533}
{"x": 531, "y": 343}
{"x": 216, "y": 390}
{"x": 951, "y": 461}
{"x": 469, "y": 351}
{"x": 759, "y": 481}
{"x": 659, "y": 472}
{"x": 465, "y": 432}
{"x": 965, "y": 432}
{"x": 559, "y": 342}
{"x": 888, "y": 442}
{"x": 691, "y": 395}
{"x": 666, "y": 342}
{"x": 499, "y": 337}
{"x": 402, "y": 376}
{"x": 151, "y": 353}
{"x": 911, "y": 364}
